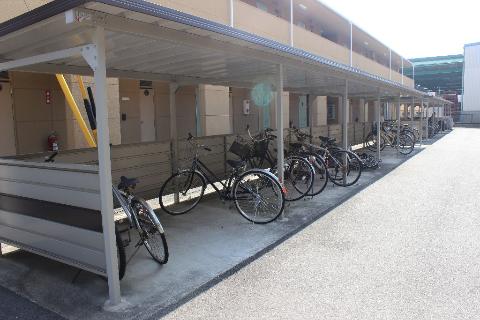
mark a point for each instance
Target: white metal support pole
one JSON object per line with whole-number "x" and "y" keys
{"x": 105, "y": 170}
{"x": 351, "y": 44}
{"x": 279, "y": 113}
{"x": 173, "y": 132}
{"x": 399, "y": 120}
{"x": 421, "y": 122}
{"x": 232, "y": 13}
{"x": 390, "y": 68}
{"x": 345, "y": 114}
{"x": 413, "y": 73}
{"x": 291, "y": 23}
{"x": 412, "y": 110}
{"x": 428, "y": 119}
{"x": 402, "y": 70}
{"x": 379, "y": 124}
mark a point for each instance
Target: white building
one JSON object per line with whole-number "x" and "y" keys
{"x": 471, "y": 78}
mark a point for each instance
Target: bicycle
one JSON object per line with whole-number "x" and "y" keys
{"x": 141, "y": 217}
{"x": 414, "y": 133}
{"x": 344, "y": 167}
{"x": 299, "y": 173}
{"x": 257, "y": 193}
{"x": 301, "y": 149}
{"x": 404, "y": 143}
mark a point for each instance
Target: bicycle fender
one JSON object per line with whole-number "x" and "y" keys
{"x": 151, "y": 212}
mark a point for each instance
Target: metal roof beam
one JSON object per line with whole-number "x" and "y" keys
{"x": 47, "y": 57}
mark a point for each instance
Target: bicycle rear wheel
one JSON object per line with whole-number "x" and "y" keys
{"x": 151, "y": 231}
{"x": 182, "y": 192}
{"x": 258, "y": 196}
{"x": 321, "y": 174}
{"x": 344, "y": 168}
{"x": 406, "y": 144}
{"x": 298, "y": 178}
{"x": 121, "y": 255}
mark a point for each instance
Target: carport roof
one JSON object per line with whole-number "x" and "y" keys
{"x": 151, "y": 42}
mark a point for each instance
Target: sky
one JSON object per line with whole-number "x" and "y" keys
{"x": 415, "y": 28}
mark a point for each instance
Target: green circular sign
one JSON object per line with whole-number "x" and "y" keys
{"x": 262, "y": 94}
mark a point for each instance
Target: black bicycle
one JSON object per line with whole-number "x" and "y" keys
{"x": 299, "y": 173}
{"x": 257, "y": 193}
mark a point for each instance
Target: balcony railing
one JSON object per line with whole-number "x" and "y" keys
{"x": 316, "y": 44}
{"x": 259, "y": 22}
{"x": 248, "y": 18}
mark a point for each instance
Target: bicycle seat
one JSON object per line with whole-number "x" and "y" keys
{"x": 296, "y": 145}
{"x": 236, "y": 163}
{"x": 127, "y": 183}
{"x": 327, "y": 139}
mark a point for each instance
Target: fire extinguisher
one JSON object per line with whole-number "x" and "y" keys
{"x": 53, "y": 142}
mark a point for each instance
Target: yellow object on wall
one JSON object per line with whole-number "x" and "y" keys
{"x": 76, "y": 112}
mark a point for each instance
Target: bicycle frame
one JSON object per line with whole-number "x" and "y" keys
{"x": 199, "y": 166}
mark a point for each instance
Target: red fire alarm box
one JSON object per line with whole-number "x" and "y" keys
{"x": 48, "y": 97}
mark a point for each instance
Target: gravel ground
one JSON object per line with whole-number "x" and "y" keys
{"x": 407, "y": 247}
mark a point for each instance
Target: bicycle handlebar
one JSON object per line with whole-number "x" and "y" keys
{"x": 190, "y": 139}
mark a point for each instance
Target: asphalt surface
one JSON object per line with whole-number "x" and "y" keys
{"x": 406, "y": 247}
{"x": 15, "y": 307}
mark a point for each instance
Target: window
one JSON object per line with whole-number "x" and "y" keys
{"x": 331, "y": 111}
{"x": 262, "y": 6}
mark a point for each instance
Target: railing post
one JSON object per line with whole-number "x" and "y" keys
{"x": 379, "y": 115}
{"x": 345, "y": 116}
{"x": 291, "y": 23}
{"x": 279, "y": 114}
{"x": 231, "y": 8}
{"x": 399, "y": 121}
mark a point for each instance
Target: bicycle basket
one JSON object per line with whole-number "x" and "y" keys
{"x": 260, "y": 148}
{"x": 241, "y": 150}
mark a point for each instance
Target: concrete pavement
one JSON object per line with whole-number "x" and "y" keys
{"x": 406, "y": 247}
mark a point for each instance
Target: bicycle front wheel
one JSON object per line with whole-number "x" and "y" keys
{"x": 182, "y": 192}
{"x": 151, "y": 231}
{"x": 258, "y": 196}
{"x": 406, "y": 144}
{"x": 321, "y": 175}
{"x": 344, "y": 168}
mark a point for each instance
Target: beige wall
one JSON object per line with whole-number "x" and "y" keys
{"x": 185, "y": 108}
{"x": 215, "y": 10}
{"x": 316, "y": 44}
{"x": 214, "y": 110}
{"x": 17, "y": 7}
{"x": 7, "y": 127}
{"x": 129, "y": 107}
{"x": 319, "y": 111}
{"x": 240, "y": 120}
{"x": 34, "y": 118}
{"x": 254, "y": 20}
{"x": 76, "y": 138}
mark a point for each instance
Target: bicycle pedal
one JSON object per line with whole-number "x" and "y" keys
{"x": 139, "y": 244}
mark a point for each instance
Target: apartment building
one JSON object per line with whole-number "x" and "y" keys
{"x": 139, "y": 110}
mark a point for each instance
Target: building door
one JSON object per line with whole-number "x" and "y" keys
{"x": 7, "y": 125}
{"x": 147, "y": 115}
{"x": 302, "y": 112}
